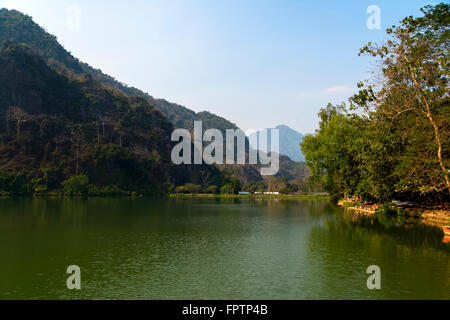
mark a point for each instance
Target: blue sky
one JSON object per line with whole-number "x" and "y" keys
{"x": 257, "y": 63}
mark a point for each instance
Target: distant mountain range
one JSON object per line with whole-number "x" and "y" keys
{"x": 289, "y": 143}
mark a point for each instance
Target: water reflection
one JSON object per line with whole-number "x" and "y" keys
{"x": 414, "y": 261}
{"x": 213, "y": 249}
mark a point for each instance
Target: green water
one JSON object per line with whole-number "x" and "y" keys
{"x": 213, "y": 249}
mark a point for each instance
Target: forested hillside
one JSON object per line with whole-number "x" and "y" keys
{"x": 16, "y": 27}
{"x": 53, "y": 128}
{"x": 63, "y": 121}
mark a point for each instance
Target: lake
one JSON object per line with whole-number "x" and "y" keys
{"x": 214, "y": 249}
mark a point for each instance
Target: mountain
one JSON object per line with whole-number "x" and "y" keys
{"x": 16, "y": 28}
{"x": 290, "y": 141}
{"x": 289, "y": 144}
{"x": 53, "y": 128}
{"x": 60, "y": 117}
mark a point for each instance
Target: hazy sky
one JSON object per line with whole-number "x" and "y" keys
{"x": 257, "y": 63}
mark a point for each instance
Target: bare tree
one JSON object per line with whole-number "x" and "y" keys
{"x": 19, "y": 116}
{"x": 77, "y": 139}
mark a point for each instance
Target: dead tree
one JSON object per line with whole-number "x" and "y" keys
{"x": 19, "y": 116}
{"x": 77, "y": 139}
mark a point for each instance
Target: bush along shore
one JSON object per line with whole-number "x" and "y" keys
{"x": 436, "y": 215}
{"x": 248, "y": 196}
{"x": 75, "y": 186}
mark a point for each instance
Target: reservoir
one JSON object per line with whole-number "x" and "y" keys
{"x": 214, "y": 249}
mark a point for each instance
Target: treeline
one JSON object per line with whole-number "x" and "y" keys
{"x": 392, "y": 140}
{"x": 233, "y": 185}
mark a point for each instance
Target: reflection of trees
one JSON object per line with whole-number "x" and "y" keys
{"x": 414, "y": 262}
{"x": 406, "y": 231}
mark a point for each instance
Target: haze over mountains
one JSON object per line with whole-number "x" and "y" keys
{"x": 289, "y": 142}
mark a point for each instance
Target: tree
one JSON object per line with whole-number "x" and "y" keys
{"x": 413, "y": 94}
{"x": 19, "y": 116}
{"x": 76, "y": 186}
{"x": 77, "y": 139}
{"x": 211, "y": 189}
{"x": 394, "y": 141}
{"x": 181, "y": 189}
{"x": 193, "y": 188}
{"x": 332, "y": 154}
{"x": 227, "y": 189}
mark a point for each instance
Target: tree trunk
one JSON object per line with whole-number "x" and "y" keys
{"x": 436, "y": 129}
{"x": 98, "y": 134}
{"x": 76, "y": 164}
{"x": 18, "y": 131}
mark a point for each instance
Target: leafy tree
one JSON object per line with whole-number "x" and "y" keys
{"x": 193, "y": 188}
{"x": 181, "y": 189}
{"x": 227, "y": 189}
{"x": 413, "y": 96}
{"x": 76, "y": 186}
{"x": 211, "y": 189}
{"x": 394, "y": 141}
{"x": 332, "y": 154}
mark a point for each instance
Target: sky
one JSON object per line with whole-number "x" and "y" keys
{"x": 257, "y": 63}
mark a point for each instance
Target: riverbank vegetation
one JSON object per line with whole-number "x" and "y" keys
{"x": 392, "y": 140}
{"x": 250, "y": 196}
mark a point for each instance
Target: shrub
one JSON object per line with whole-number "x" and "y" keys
{"x": 181, "y": 189}
{"x": 286, "y": 190}
{"x": 111, "y": 190}
{"x": 211, "y": 189}
{"x": 15, "y": 183}
{"x": 227, "y": 189}
{"x": 193, "y": 188}
{"x": 76, "y": 186}
{"x": 386, "y": 209}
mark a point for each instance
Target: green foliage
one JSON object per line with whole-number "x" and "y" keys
{"x": 181, "y": 189}
{"x": 386, "y": 209}
{"x": 232, "y": 186}
{"x": 76, "y": 186}
{"x": 286, "y": 190}
{"x": 259, "y": 186}
{"x": 395, "y": 141}
{"x": 111, "y": 190}
{"x": 59, "y": 113}
{"x": 15, "y": 183}
{"x": 211, "y": 189}
{"x": 193, "y": 188}
{"x": 227, "y": 189}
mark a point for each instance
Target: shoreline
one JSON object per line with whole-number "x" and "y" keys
{"x": 432, "y": 217}
{"x": 237, "y": 196}
{"x": 169, "y": 196}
